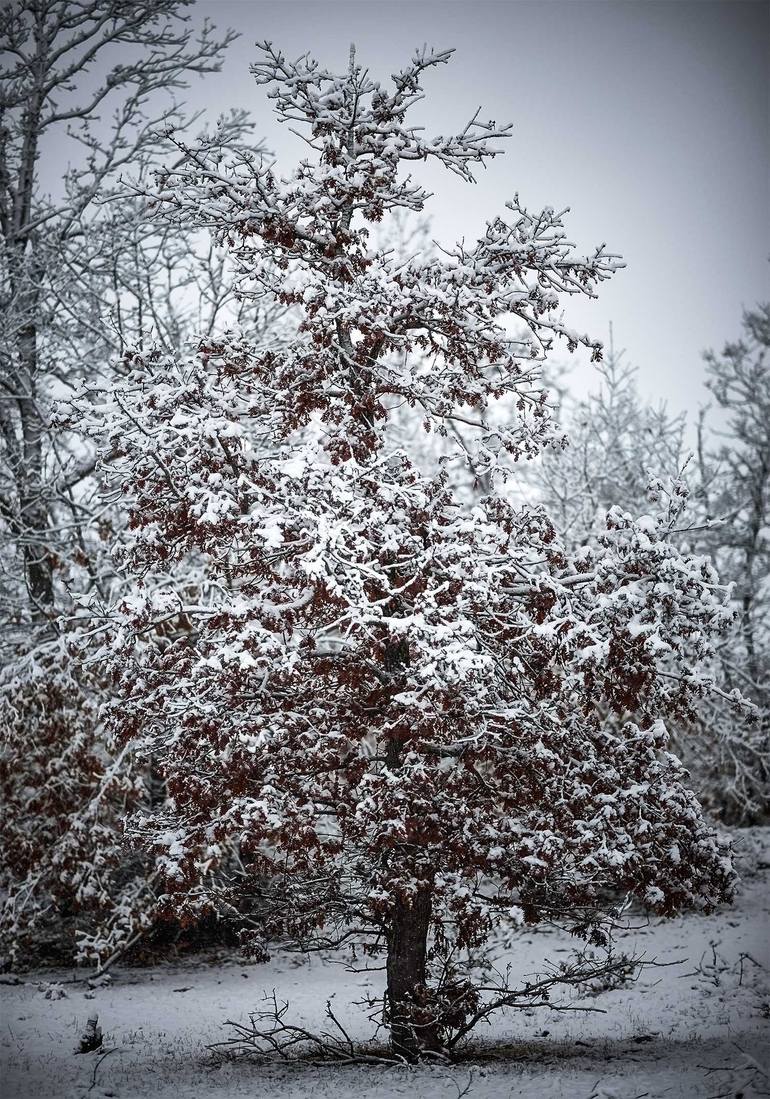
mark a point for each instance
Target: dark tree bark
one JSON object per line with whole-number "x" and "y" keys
{"x": 412, "y": 1026}
{"x": 34, "y": 513}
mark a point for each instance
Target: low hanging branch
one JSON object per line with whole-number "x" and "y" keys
{"x": 269, "y": 1037}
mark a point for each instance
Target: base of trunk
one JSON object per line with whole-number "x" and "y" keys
{"x": 413, "y": 1026}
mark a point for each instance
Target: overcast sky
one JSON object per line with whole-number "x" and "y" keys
{"x": 649, "y": 119}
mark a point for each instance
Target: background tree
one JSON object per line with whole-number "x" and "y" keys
{"x": 84, "y": 274}
{"x": 619, "y": 448}
{"x": 390, "y": 702}
{"x": 623, "y": 452}
{"x": 734, "y": 499}
{"x": 51, "y": 48}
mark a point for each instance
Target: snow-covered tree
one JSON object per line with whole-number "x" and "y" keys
{"x": 52, "y": 47}
{"x": 94, "y": 83}
{"x": 391, "y": 702}
{"x": 620, "y": 449}
{"x": 623, "y": 452}
{"x": 734, "y": 501}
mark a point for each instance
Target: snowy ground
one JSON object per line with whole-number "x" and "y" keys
{"x": 699, "y": 1028}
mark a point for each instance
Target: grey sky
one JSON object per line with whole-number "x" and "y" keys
{"x": 648, "y": 119}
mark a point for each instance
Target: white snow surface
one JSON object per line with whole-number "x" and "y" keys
{"x": 695, "y": 1029}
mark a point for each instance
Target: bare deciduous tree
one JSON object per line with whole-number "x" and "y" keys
{"x": 734, "y": 497}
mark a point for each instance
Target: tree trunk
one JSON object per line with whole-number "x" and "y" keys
{"x": 412, "y": 1027}
{"x": 33, "y": 506}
